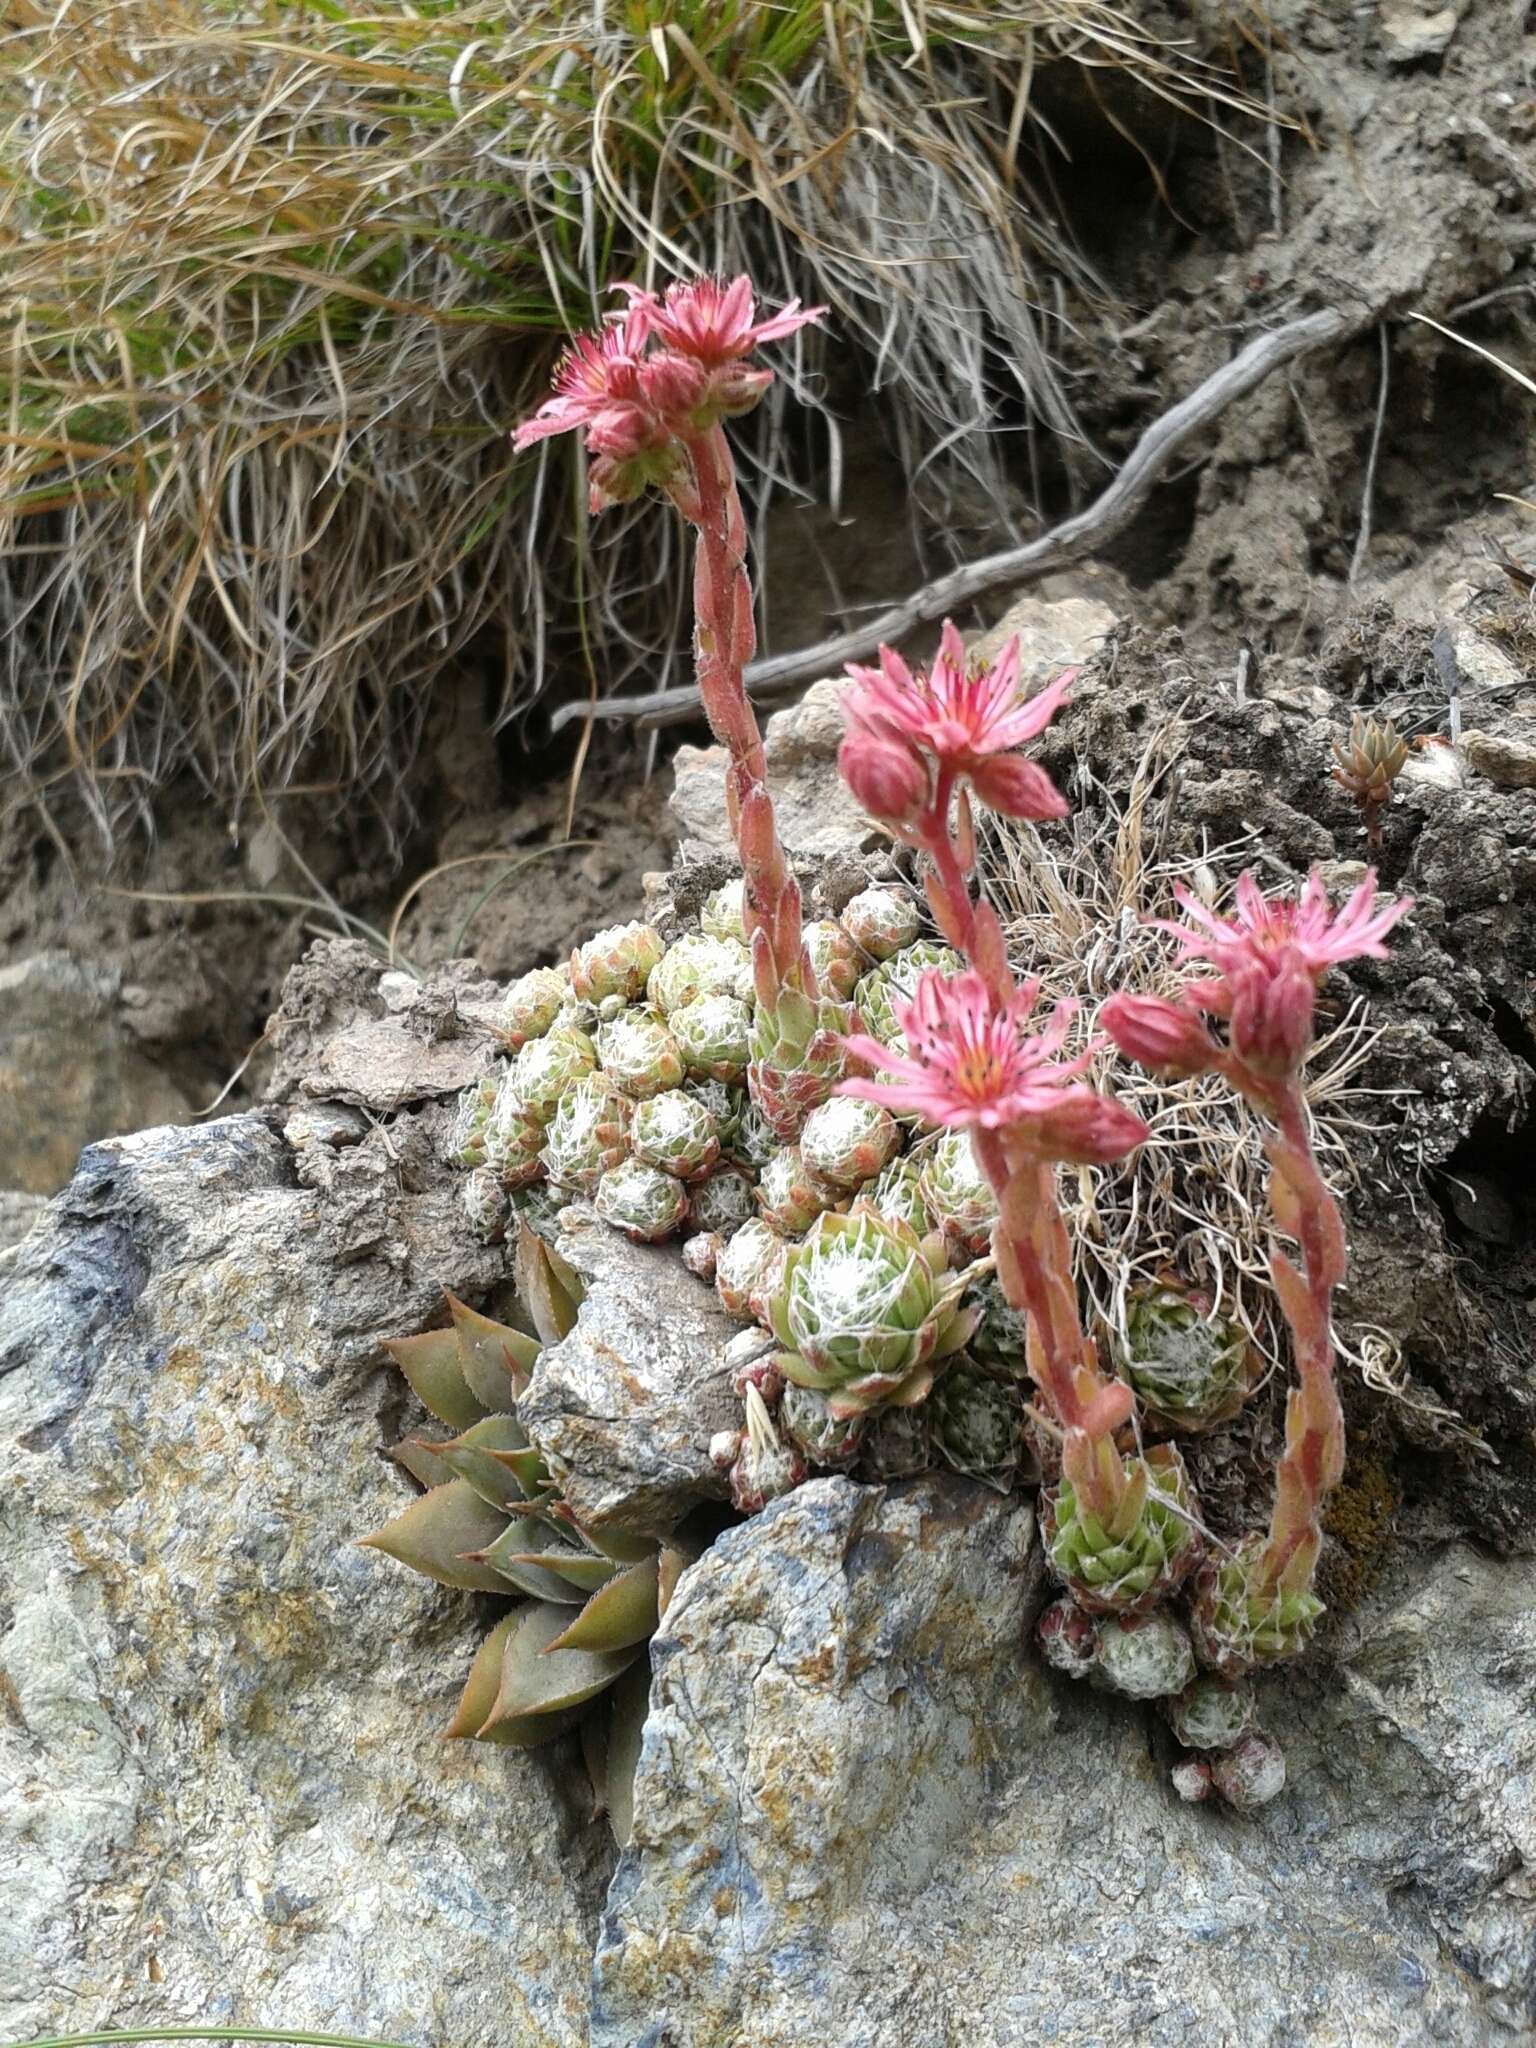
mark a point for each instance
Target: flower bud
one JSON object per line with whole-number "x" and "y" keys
{"x": 1163, "y": 1036}
{"x": 885, "y": 776}
{"x": 1272, "y": 1016}
{"x": 673, "y": 385}
{"x": 1084, "y": 1128}
{"x": 1017, "y": 788}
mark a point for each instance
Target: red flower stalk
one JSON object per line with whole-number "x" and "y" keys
{"x": 1269, "y": 958}
{"x": 648, "y": 392}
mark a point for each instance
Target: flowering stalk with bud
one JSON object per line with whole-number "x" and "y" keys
{"x": 649, "y": 393}
{"x": 916, "y": 749}
{"x": 1269, "y": 959}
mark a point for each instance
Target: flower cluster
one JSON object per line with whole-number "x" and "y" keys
{"x": 661, "y": 373}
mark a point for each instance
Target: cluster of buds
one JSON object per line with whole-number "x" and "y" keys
{"x": 1367, "y": 764}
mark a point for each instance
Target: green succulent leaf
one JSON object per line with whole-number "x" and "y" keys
{"x": 482, "y": 1685}
{"x": 578, "y": 1568}
{"x": 533, "y": 1684}
{"x": 618, "y": 1615}
{"x": 629, "y": 1702}
{"x": 443, "y": 1535}
{"x": 420, "y": 1459}
{"x": 621, "y": 1545}
{"x": 483, "y": 1454}
{"x": 497, "y": 1360}
{"x": 518, "y": 1555}
{"x": 542, "y": 1282}
{"x": 433, "y": 1363}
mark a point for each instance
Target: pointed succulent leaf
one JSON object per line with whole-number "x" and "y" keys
{"x": 442, "y": 1535}
{"x": 481, "y": 1456}
{"x": 619, "y": 1614}
{"x": 482, "y": 1685}
{"x": 419, "y": 1457}
{"x": 517, "y": 1556}
{"x": 434, "y": 1365}
{"x": 497, "y": 1359}
{"x": 528, "y": 1731}
{"x": 577, "y": 1567}
{"x": 670, "y": 1567}
{"x": 550, "y": 1302}
{"x": 619, "y": 1544}
{"x": 532, "y": 1683}
{"x": 628, "y": 1704}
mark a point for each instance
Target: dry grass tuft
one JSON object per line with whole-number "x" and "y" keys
{"x": 279, "y": 273}
{"x": 1193, "y": 1198}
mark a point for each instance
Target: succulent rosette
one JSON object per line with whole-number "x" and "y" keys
{"x": 866, "y": 1310}
{"x": 958, "y": 1194}
{"x": 588, "y": 1134}
{"x": 752, "y": 1142}
{"x": 789, "y": 1196}
{"x": 531, "y": 1005}
{"x": 1137, "y": 1561}
{"x": 642, "y": 1201}
{"x": 881, "y": 922}
{"x": 1210, "y": 1712}
{"x": 896, "y": 1443}
{"x": 897, "y": 1195}
{"x": 693, "y": 966}
{"x": 615, "y": 964}
{"x": 822, "y": 1438}
{"x": 713, "y": 1035}
{"x": 675, "y": 1133}
{"x": 847, "y": 1141}
{"x": 722, "y": 1201}
{"x": 895, "y": 981}
{"x": 547, "y": 1066}
{"x": 486, "y": 1205}
{"x": 723, "y": 915}
{"x": 639, "y": 1054}
{"x": 514, "y": 1138}
{"x": 472, "y": 1115}
{"x": 748, "y": 1269}
{"x": 797, "y": 1058}
{"x": 1191, "y": 1370}
{"x": 977, "y": 1422}
{"x": 1242, "y": 1619}
{"x": 1146, "y": 1657}
{"x": 835, "y": 959}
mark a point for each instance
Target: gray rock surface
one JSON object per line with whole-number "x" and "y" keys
{"x": 626, "y": 1405}
{"x": 18, "y": 1213}
{"x": 223, "y": 1789}
{"x": 70, "y": 1071}
{"x": 864, "y": 1818}
{"x": 840, "y": 1693}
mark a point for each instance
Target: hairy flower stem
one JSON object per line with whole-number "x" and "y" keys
{"x": 1312, "y": 1462}
{"x": 724, "y": 642}
{"x": 1029, "y": 1242}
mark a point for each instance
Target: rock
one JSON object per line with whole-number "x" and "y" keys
{"x": 69, "y": 1070}
{"x": 863, "y": 1819}
{"x": 380, "y": 1063}
{"x": 817, "y": 817}
{"x": 626, "y": 1405}
{"x": 226, "y": 1796}
{"x": 840, "y": 1692}
{"x": 1506, "y": 762}
{"x": 18, "y": 1213}
{"x": 1409, "y": 32}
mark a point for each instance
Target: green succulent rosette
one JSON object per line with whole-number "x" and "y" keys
{"x": 726, "y": 1105}
{"x": 588, "y": 1134}
{"x": 976, "y": 1422}
{"x": 472, "y": 1115}
{"x": 724, "y": 913}
{"x": 748, "y": 1269}
{"x": 1190, "y": 1370}
{"x": 639, "y": 1054}
{"x": 881, "y": 922}
{"x": 486, "y": 1206}
{"x": 752, "y": 1143}
{"x": 789, "y": 1196}
{"x": 1242, "y": 1621}
{"x": 675, "y": 1133}
{"x": 847, "y": 1141}
{"x": 823, "y": 1439}
{"x": 1211, "y": 1712}
{"x": 866, "y": 1310}
{"x": 1134, "y": 1565}
{"x": 615, "y": 964}
{"x": 722, "y": 1201}
{"x": 897, "y": 1194}
{"x": 958, "y": 1194}
{"x": 1002, "y": 1331}
{"x": 713, "y": 1034}
{"x": 796, "y": 1058}
{"x": 693, "y": 966}
{"x": 642, "y": 1201}
{"x": 1145, "y": 1657}
{"x": 835, "y": 960}
{"x": 531, "y": 1005}
{"x": 514, "y": 1139}
{"x": 547, "y": 1066}
{"x": 895, "y": 981}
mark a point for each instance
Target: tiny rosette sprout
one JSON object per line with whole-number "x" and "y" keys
{"x": 547, "y": 1066}
{"x": 1370, "y": 760}
{"x": 615, "y": 963}
{"x": 958, "y": 1194}
{"x": 675, "y": 1133}
{"x": 531, "y": 1005}
{"x": 977, "y": 1423}
{"x": 1068, "y": 1637}
{"x": 822, "y": 1438}
{"x": 895, "y": 982}
{"x": 721, "y": 1202}
{"x": 1251, "y": 1773}
{"x": 897, "y": 1195}
{"x": 693, "y": 966}
{"x": 847, "y": 1141}
{"x": 642, "y": 1201}
{"x": 880, "y": 922}
{"x": 748, "y": 1270}
{"x": 588, "y": 1134}
{"x": 789, "y": 1196}
{"x": 1210, "y": 1714}
{"x": 896, "y": 1444}
{"x": 514, "y": 1137}
{"x": 1147, "y": 1658}
{"x": 866, "y": 1311}
{"x": 834, "y": 958}
{"x": 701, "y": 1253}
{"x": 1132, "y": 1566}
{"x": 466, "y": 1140}
{"x": 1242, "y": 1620}
{"x": 722, "y": 916}
{"x": 712, "y": 1035}
{"x": 1191, "y": 1371}
{"x": 485, "y": 1204}
{"x": 767, "y": 1465}
{"x": 639, "y": 1054}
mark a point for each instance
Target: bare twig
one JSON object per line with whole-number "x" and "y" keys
{"x": 1066, "y": 543}
{"x": 1368, "y": 492}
